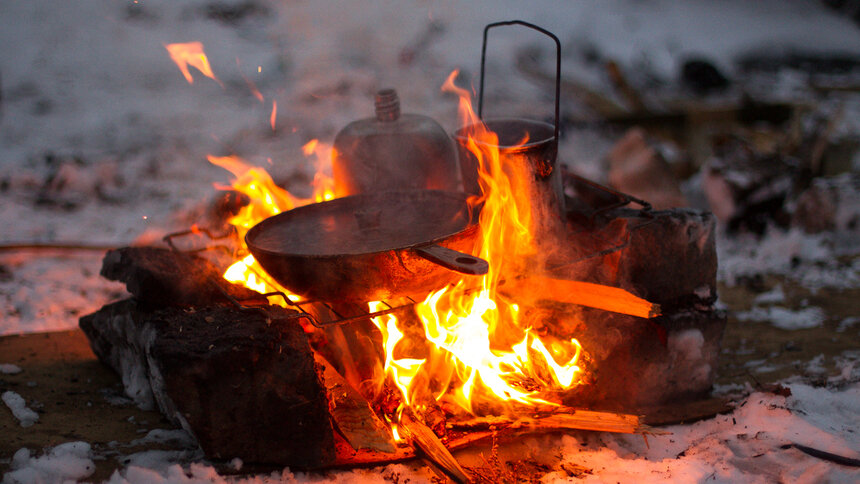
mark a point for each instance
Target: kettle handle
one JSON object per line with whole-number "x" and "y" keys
{"x": 557, "y": 65}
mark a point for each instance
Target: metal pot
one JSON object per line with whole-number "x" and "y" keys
{"x": 532, "y": 165}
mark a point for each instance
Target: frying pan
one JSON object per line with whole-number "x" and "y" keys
{"x": 371, "y": 246}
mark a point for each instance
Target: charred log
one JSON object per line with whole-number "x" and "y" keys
{"x": 244, "y": 383}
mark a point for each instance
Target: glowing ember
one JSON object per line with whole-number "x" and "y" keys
{"x": 191, "y": 54}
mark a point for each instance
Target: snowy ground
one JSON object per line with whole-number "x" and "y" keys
{"x": 103, "y": 142}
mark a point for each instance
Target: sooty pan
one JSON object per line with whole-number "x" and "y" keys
{"x": 370, "y": 247}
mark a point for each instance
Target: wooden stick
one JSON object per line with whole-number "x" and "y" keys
{"x": 567, "y": 419}
{"x": 424, "y": 439}
{"x": 587, "y": 294}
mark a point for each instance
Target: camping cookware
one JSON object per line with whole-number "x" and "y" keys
{"x": 371, "y": 246}
{"x": 531, "y": 165}
{"x": 393, "y": 151}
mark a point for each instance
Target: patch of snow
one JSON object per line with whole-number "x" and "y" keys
{"x": 115, "y": 398}
{"x": 816, "y": 365}
{"x": 9, "y": 369}
{"x": 69, "y": 462}
{"x": 847, "y": 323}
{"x": 811, "y": 317}
{"x": 731, "y": 389}
{"x": 160, "y": 461}
{"x": 775, "y": 295}
{"x": 809, "y": 259}
{"x": 745, "y": 446}
{"x": 848, "y": 364}
{"x": 685, "y": 350}
{"x": 16, "y": 403}
{"x": 49, "y": 293}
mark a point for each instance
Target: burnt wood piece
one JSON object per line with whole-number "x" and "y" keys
{"x": 164, "y": 277}
{"x": 352, "y": 414}
{"x": 243, "y": 382}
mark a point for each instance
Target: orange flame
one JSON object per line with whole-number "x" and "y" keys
{"x": 191, "y": 54}
{"x": 266, "y": 199}
{"x": 476, "y": 348}
{"x": 481, "y": 352}
{"x": 323, "y": 182}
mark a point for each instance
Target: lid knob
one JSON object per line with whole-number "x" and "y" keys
{"x": 387, "y": 105}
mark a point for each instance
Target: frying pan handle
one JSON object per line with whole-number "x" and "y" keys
{"x": 453, "y": 260}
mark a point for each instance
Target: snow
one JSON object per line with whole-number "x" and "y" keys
{"x": 775, "y": 295}
{"x": 102, "y": 141}
{"x": 67, "y": 462}
{"x": 9, "y": 369}
{"x": 785, "y": 318}
{"x": 847, "y": 323}
{"x": 16, "y": 403}
{"x": 810, "y": 259}
{"x": 745, "y": 446}
{"x": 754, "y": 443}
{"x": 49, "y": 292}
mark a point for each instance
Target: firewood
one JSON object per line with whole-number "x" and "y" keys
{"x": 243, "y": 383}
{"x": 352, "y": 415}
{"x": 424, "y": 439}
{"x": 163, "y": 277}
{"x": 586, "y": 294}
{"x": 564, "y": 419}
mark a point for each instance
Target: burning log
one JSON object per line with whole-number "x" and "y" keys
{"x": 589, "y": 294}
{"x": 563, "y": 419}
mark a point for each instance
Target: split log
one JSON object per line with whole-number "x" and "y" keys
{"x": 352, "y": 415}
{"x": 243, "y": 383}
{"x": 424, "y": 439}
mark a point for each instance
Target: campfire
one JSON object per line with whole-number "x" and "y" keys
{"x": 566, "y": 308}
{"x": 479, "y": 350}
